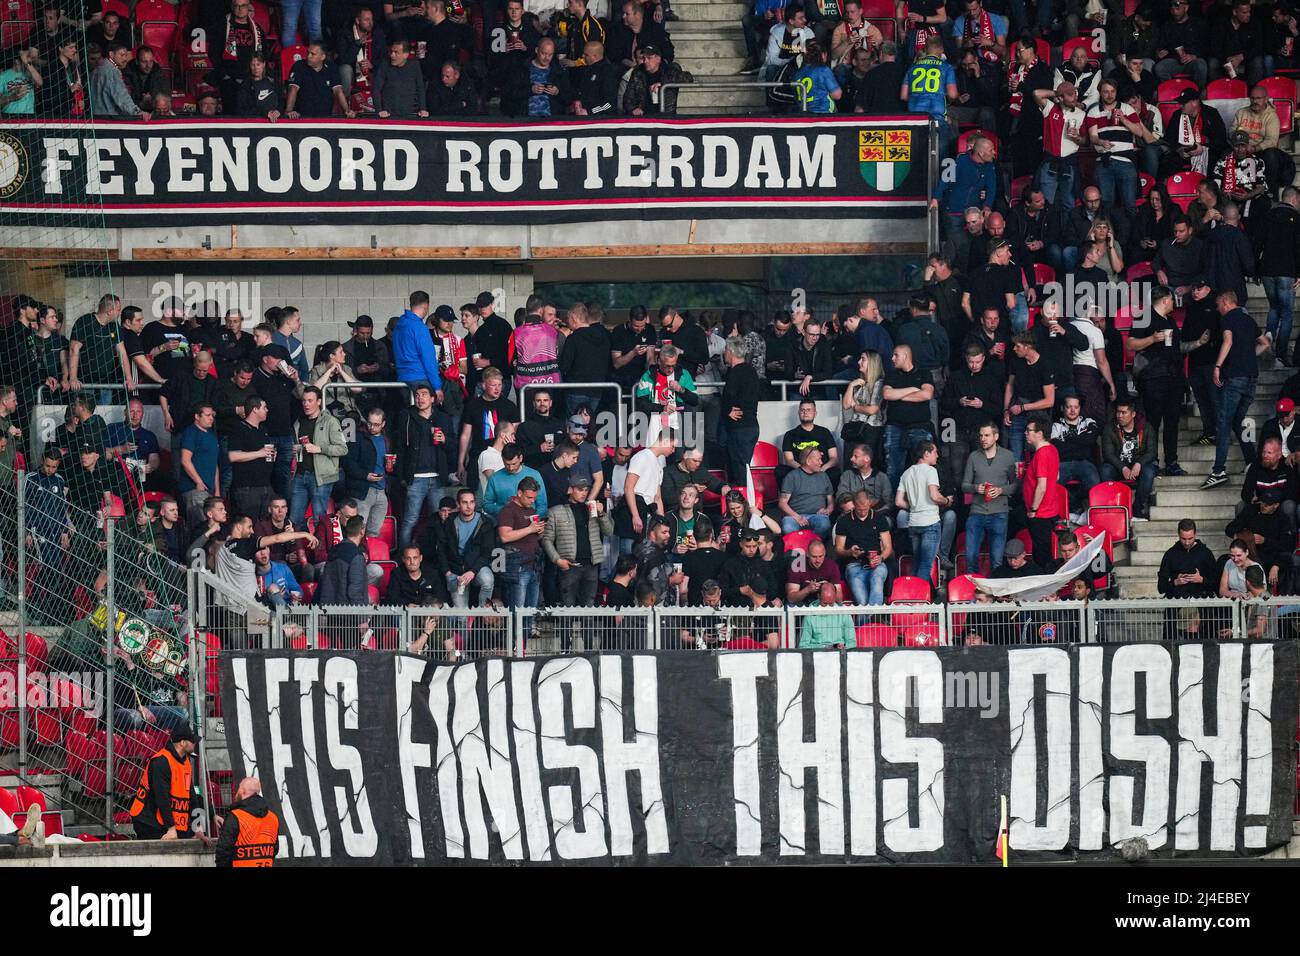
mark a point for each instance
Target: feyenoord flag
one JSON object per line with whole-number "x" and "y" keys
{"x": 884, "y": 156}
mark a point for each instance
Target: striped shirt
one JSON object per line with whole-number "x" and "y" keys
{"x": 1104, "y": 120}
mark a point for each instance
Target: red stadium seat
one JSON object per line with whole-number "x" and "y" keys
{"x": 120, "y": 7}
{"x": 1170, "y": 90}
{"x": 308, "y": 592}
{"x": 918, "y": 630}
{"x": 961, "y": 588}
{"x": 1018, "y": 188}
{"x": 377, "y": 548}
{"x": 1139, "y": 270}
{"x": 9, "y": 804}
{"x": 1282, "y": 91}
{"x": 1087, "y": 532}
{"x": 29, "y": 795}
{"x": 1182, "y": 188}
{"x": 878, "y": 8}
{"x": 1043, "y": 273}
{"x": 763, "y": 468}
{"x": 1089, "y": 43}
{"x": 17, "y": 21}
{"x": 1110, "y": 507}
{"x": 387, "y": 568}
{"x": 888, "y": 27}
{"x": 47, "y": 726}
{"x": 1227, "y": 89}
{"x": 289, "y": 56}
{"x": 1145, "y": 183}
{"x": 1062, "y": 499}
{"x": 876, "y": 635}
{"x": 372, "y": 593}
{"x": 799, "y": 540}
{"x": 745, "y": 644}
{"x": 909, "y": 590}
{"x": 94, "y": 780}
{"x": 388, "y": 532}
{"x": 9, "y": 730}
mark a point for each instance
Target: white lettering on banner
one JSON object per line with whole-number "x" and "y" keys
{"x": 360, "y": 838}
{"x": 896, "y": 672}
{"x": 797, "y": 756}
{"x": 635, "y": 168}
{"x": 858, "y": 699}
{"x": 548, "y": 150}
{"x": 1154, "y": 663}
{"x": 293, "y": 842}
{"x": 230, "y": 164}
{"x": 244, "y": 716}
{"x": 405, "y": 151}
{"x": 314, "y": 150}
{"x": 356, "y": 158}
{"x": 275, "y": 164}
{"x": 410, "y": 752}
{"x": 764, "y": 164}
{"x": 439, "y": 707}
{"x": 592, "y": 149}
{"x": 530, "y": 774}
{"x": 144, "y": 159}
{"x": 463, "y": 158}
{"x": 571, "y": 843}
{"x": 639, "y": 756}
{"x": 724, "y": 178}
{"x": 1222, "y": 750}
{"x": 1026, "y": 763}
{"x": 742, "y": 672}
{"x": 505, "y": 165}
{"x": 815, "y": 166}
{"x": 307, "y": 673}
{"x": 675, "y": 155}
{"x": 54, "y": 165}
{"x": 483, "y": 748}
{"x": 1092, "y": 779}
{"x": 99, "y": 161}
{"x": 1259, "y": 742}
{"x": 182, "y": 166}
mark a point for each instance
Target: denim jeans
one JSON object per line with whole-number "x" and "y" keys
{"x": 867, "y": 584}
{"x": 1056, "y": 178}
{"x": 1084, "y": 472}
{"x": 899, "y": 442}
{"x": 1234, "y": 402}
{"x": 522, "y": 587}
{"x": 1019, "y": 317}
{"x": 1145, "y": 481}
{"x": 817, "y": 523}
{"x": 224, "y": 469}
{"x": 418, "y": 491}
{"x": 1016, "y": 436}
{"x": 740, "y": 451}
{"x": 1201, "y": 378}
{"x": 977, "y": 526}
{"x": 289, "y": 10}
{"x": 1281, "y": 311}
{"x": 166, "y": 717}
{"x": 1118, "y": 181}
{"x": 483, "y": 579}
{"x": 307, "y": 490}
{"x": 280, "y": 476}
{"x": 1197, "y": 70}
{"x": 925, "y": 548}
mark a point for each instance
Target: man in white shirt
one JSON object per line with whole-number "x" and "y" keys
{"x": 1092, "y": 376}
{"x": 641, "y": 491}
{"x": 919, "y": 501}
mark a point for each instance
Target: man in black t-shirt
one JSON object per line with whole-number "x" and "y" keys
{"x": 487, "y": 345}
{"x": 1031, "y": 387}
{"x": 315, "y": 88}
{"x": 808, "y": 434}
{"x": 995, "y": 286}
{"x": 631, "y": 345}
{"x": 863, "y": 541}
{"x": 276, "y": 380}
{"x": 480, "y": 420}
{"x": 738, "y": 408}
{"x": 252, "y": 459}
{"x": 1235, "y": 372}
{"x": 907, "y": 393}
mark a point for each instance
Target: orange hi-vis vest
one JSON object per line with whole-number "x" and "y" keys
{"x": 181, "y": 787}
{"x": 256, "y": 843}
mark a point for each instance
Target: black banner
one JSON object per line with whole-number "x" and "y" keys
{"x": 705, "y": 757}
{"x": 311, "y": 172}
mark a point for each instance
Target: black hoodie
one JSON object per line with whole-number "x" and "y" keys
{"x": 254, "y": 806}
{"x": 1179, "y": 560}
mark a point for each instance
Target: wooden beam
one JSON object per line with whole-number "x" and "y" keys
{"x": 159, "y": 253}
{"x": 733, "y": 249}
{"x": 34, "y": 255}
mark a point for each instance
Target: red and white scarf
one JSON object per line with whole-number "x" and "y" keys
{"x": 984, "y": 31}
{"x": 1191, "y": 133}
{"x": 1018, "y": 72}
{"x": 229, "y": 50}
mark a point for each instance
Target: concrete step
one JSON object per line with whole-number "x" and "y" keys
{"x": 728, "y": 65}
{"x": 1189, "y": 456}
{"x": 700, "y": 101}
{"x": 696, "y": 53}
{"x": 689, "y": 13}
{"x": 1217, "y": 512}
{"x": 1161, "y": 535}
{"x": 1188, "y": 482}
{"x": 1190, "y": 502}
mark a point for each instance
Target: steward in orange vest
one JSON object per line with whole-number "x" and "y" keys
{"x": 164, "y": 800}
{"x": 250, "y": 829}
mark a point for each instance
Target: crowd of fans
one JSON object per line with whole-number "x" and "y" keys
{"x": 301, "y": 481}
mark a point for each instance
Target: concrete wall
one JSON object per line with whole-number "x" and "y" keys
{"x": 150, "y": 853}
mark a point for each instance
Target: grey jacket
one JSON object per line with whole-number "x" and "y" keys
{"x": 108, "y": 93}
{"x": 1001, "y": 471}
{"x": 399, "y": 90}
{"x": 560, "y": 539}
{"x": 332, "y": 448}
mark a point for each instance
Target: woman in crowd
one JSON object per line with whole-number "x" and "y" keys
{"x": 863, "y": 417}
{"x": 1154, "y": 224}
{"x": 739, "y": 518}
{"x": 331, "y": 366}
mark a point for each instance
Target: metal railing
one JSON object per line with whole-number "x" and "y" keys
{"x": 800, "y": 92}
{"x": 95, "y": 387}
{"x": 581, "y": 388}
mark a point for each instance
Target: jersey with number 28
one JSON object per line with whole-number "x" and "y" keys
{"x": 927, "y": 80}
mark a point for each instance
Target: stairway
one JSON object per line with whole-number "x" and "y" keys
{"x": 710, "y": 44}
{"x": 1137, "y": 564}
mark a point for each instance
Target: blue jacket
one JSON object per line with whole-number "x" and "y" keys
{"x": 873, "y": 338}
{"x": 414, "y": 356}
{"x": 281, "y": 575}
{"x": 297, "y": 352}
{"x": 501, "y": 487}
{"x": 969, "y": 178}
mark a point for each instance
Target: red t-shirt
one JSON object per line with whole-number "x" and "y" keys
{"x": 1046, "y": 463}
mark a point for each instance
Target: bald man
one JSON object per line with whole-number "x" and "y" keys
{"x": 250, "y": 831}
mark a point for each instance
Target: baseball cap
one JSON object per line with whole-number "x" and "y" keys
{"x": 362, "y": 322}
{"x": 444, "y": 313}
{"x": 577, "y": 425}
{"x": 1284, "y": 406}
{"x": 484, "y": 300}
{"x": 650, "y": 50}
{"x": 1186, "y": 96}
{"x": 274, "y": 351}
{"x": 580, "y": 481}
{"x": 184, "y": 732}
{"x": 1013, "y": 548}
{"x": 447, "y": 501}
{"x": 1240, "y": 138}
{"x": 87, "y": 446}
